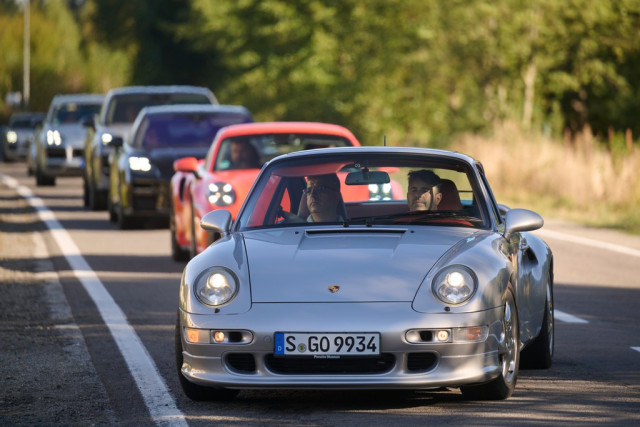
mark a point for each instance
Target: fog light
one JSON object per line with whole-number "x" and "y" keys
{"x": 219, "y": 336}
{"x": 442, "y": 335}
{"x": 197, "y": 336}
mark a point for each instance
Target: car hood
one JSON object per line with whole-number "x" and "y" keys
{"x": 368, "y": 265}
{"x": 120, "y": 129}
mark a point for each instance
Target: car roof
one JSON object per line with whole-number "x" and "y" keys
{"x": 287, "y": 127}
{"x": 168, "y": 89}
{"x": 26, "y": 115}
{"x": 383, "y": 150}
{"x": 194, "y": 108}
{"x": 94, "y": 98}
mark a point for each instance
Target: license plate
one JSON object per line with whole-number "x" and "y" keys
{"x": 323, "y": 344}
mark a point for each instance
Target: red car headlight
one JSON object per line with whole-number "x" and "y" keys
{"x": 221, "y": 194}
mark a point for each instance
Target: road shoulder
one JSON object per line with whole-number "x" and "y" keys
{"x": 47, "y": 373}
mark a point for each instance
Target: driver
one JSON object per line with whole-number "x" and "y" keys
{"x": 423, "y": 193}
{"x": 323, "y": 196}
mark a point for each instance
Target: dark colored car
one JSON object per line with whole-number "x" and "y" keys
{"x": 59, "y": 142}
{"x": 119, "y": 110}
{"x": 17, "y": 136}
{"x": 142, "y": 165}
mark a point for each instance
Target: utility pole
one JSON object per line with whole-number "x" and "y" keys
{"x": 27, "y": 56}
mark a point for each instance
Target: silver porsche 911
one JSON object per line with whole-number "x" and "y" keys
{"x": 367, "y": 268}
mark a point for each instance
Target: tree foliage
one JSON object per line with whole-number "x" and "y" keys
{"x": 415, "y": 71}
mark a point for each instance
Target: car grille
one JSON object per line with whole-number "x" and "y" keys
{"x": 420, "y": 362}
{"x": 344, "y": 365}
{"x": 146, "y": 203}
{"x": 61, "y": 152}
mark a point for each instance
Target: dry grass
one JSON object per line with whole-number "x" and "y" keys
{"x": 580, "y": 180}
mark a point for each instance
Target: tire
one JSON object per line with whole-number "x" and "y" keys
{"x": 42, "y": 179}
{"x": 193, "y": 247}
{"x": 177, "y": 253}
{"x": 113, "y": 215}
{"x": 125, "y": 222}
{"x": 97, "y": 199}
{"x": 85, "y": 192}
{"x": 502, "y": 387}
{"x": 194, "y": 391}
{"x": 539, "y": 353}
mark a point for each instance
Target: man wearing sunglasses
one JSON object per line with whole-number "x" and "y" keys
{"x": 323, "y": 196}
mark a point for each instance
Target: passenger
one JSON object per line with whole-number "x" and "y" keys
{"x": 323, "y": 198}
{"x": 423, "y": 193}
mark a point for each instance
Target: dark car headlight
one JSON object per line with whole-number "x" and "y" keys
{"x": 106, "y": 138}
{"x": 221, "y": 194}
{"x": 139, "y": 164}
{"x": 454, "y": 284}
{"x": 216, "y": 286}
{"x": 12, "y": 137}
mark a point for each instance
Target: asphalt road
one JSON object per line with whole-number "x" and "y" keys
{"x": 595, "y": 377}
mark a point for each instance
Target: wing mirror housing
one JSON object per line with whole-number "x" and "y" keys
{"x": 88, "y": 122}
{"x": 116, "y": 142}
{"x": 186, "y": 164}
{"x": 521, "y": 220}
{"x": 217, "y": 221}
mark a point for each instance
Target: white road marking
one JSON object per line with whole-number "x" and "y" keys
{"x": 566, "y": 317}
{"x": 590, "y": 242}
{"x": 154, "y": 391}
{"x": 635, "y": 348}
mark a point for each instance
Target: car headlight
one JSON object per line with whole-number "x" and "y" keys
{"x": 106, "y": 138}
{"x": 54, "y": 137}
{"x": 221, "y": 194}
{"x": 380, "y": 191}
{"x": 12, "y": 137}
{"x": 139, "y": 164}
{"x": 216, "y": 286}
{"x": 455, "y": 284}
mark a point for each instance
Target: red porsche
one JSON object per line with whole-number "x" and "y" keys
{"x": 224, "y": 177}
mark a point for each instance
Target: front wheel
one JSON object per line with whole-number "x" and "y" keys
{"x": 193, "y": 244}
{"x": 177, "y": 253}
{"x": 125, "y": 221}
{"x": 42, "y": 179}
{"x": 539, "y": 354}
{"x": 194, "y": 391}
{"x": 502, "y": 387}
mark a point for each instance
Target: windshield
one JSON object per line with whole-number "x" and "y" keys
{"x": 125, "y": 108}
{"x": 365, "y": 189}
{"x": 184, "y": 130}
{"x": 73, "y": 113}
{"x": 252, "y": 151}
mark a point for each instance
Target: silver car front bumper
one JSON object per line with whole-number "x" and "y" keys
{"x": 250, "y": 363}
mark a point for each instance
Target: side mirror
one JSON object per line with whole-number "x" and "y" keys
{"x": 116, "y": 142}
{"x": 521, "y": 220}
{"x": 88, "y": 122}
{"x": 218, "y": 221}
{"x": 186, "y": 164}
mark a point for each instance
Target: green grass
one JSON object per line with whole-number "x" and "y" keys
{"x": 582, "y": 181}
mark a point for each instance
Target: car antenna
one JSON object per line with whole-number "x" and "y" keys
{"x": 384, "y": 140}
